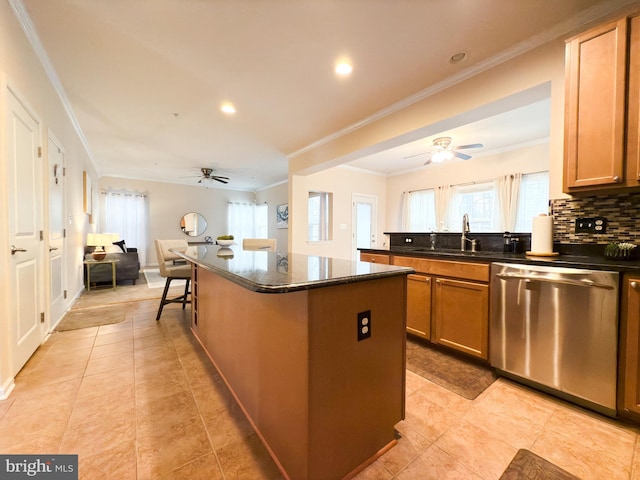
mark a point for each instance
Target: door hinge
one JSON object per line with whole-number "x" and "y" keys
{"x": 41, "y": 234}
{"x": 39, "y": 152}
{"x": 64, "y": 233}
{"x": 64, "y": 171}
{"x": 64, "y": 294}
{"x": 41, "y": 317}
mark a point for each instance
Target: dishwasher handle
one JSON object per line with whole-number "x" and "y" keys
{"x": 558, "y": 281}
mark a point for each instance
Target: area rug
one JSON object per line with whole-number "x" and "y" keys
{"x": 91, "y": 317}
{"x": 154, "y": 280}
{"x": 529, "y": 466}
{"x": 464, "y": 377}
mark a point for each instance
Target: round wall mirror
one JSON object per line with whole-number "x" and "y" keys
{"x": 193, "y": 224}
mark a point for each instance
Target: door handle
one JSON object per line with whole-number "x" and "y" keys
{"x": 51, "y": 249}
{"x": 14, "y": 250}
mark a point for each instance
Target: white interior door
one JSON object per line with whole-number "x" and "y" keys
{"x": 25, "y": 192}
{"x": 57, "y": 272}
{"x": 364, "y": 216}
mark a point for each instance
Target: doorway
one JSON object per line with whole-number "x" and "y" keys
{"x": 25, "y": 194}
{"x": 57, "y": 273}
{"x": 364, "y": 214}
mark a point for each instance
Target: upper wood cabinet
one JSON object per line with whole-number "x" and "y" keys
{"x": 601, "y": 132}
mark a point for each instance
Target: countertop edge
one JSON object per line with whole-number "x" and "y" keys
{"x": 574, "y": 261}
{"x": 389, "y": 271}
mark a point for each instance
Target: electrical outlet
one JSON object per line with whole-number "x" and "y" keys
{"x": 364, "y": 325}
{"x": 591, "y": 225}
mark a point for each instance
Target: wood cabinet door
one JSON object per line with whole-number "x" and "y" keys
{"x": 595, "y": 98}
{"x": 374, "y": 258}
{"x": 630, "y": 359}
{"x": 461, "y": 316}
{"x": 633, "y": 105}
{"x": 419, "y": 305}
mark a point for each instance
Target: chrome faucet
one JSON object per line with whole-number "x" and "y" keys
{"x": 465, "y": 230}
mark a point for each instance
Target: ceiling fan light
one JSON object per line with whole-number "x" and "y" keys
{"x": 442, "y": 156}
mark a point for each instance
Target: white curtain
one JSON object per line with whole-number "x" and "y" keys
{"x": 125, "y": 213}
{"x": 420, "y": 214}
{"x": 247, "y": 220}
{"x": 508, "y": 187}
{"x": 406, "y": 212}
{"x": 443, "y": 201}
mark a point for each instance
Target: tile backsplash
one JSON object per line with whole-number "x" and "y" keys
{"x": 621, "y": 212}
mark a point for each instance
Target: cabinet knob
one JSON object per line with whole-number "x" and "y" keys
{"x": 616, "y": 179}
{"x": 634, "y": 285}
{"x": 373, "y": 260}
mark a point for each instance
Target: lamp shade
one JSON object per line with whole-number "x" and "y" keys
{"x": 101, "y": 239}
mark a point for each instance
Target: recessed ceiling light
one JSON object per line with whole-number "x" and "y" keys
{"x": 343, "y": 68}
{"x": 457, "y": 57}
{"x": 228, "y": 108}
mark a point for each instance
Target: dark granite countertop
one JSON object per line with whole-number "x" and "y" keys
{"x": 570, "y": 259}
{"x": 272, "y": 272}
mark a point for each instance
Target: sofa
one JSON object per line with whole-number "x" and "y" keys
{"x": 127, "y": 266}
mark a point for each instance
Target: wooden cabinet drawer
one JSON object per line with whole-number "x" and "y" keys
{"x": 374, "y": 258}
{"x": 446, "y": 268}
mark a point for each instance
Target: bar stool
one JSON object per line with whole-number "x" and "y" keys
{"x": 172, "y": 271}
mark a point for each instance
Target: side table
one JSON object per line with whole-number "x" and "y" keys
{"x": 90, "y": 263}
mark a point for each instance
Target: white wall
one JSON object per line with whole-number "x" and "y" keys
{"x": 20, "y": 68}
{"x": 274, "y": 196}
{"x": 168, "y": 202}
{"x": 343, "y": 182}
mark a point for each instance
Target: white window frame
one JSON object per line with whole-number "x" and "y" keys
{"x": 320, "y": 213}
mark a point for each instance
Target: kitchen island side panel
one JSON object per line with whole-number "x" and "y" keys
{"x": 258, "y": 343}
{"x": 323, "y": 403}
{"x": 357, "y": 392}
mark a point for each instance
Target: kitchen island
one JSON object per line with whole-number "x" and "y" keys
{"x": 312, "y": 348}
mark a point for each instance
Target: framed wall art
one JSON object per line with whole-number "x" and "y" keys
{"x": 282, "y": 215}
{"x": 86, "y": 183}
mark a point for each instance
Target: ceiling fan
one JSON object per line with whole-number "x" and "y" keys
{"x": 443, "y": 150}
{"x": 207, "y": 174}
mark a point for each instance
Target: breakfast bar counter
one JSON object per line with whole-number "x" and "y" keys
{"x": 312, "y": 348}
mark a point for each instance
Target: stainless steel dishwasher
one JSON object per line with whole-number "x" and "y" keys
{"x": 557, "y": 328}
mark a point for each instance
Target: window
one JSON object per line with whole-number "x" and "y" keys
{"x": 320, "y": 216}
{"x": 125, "y": 213}
{"x": 479, "y": 201}
{"x": 533, "y": 199}
{"x": 422, "y": 210}
{"x": 247, "y": 220}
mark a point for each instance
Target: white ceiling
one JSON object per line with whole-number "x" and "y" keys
{"x": 145, "y": 79}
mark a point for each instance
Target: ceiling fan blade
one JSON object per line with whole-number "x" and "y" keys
{"x": 472, "y": 145}
{"x": 463, "y": 156}
{"x": 428, "y": 161}
{"x": 220, "y": 179}
{"x": 415, "y": 155}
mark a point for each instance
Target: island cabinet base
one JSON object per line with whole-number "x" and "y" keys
{"x": 323, "y": 402}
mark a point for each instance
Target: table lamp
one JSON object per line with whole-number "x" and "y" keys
{"x": 99, "y": 240}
